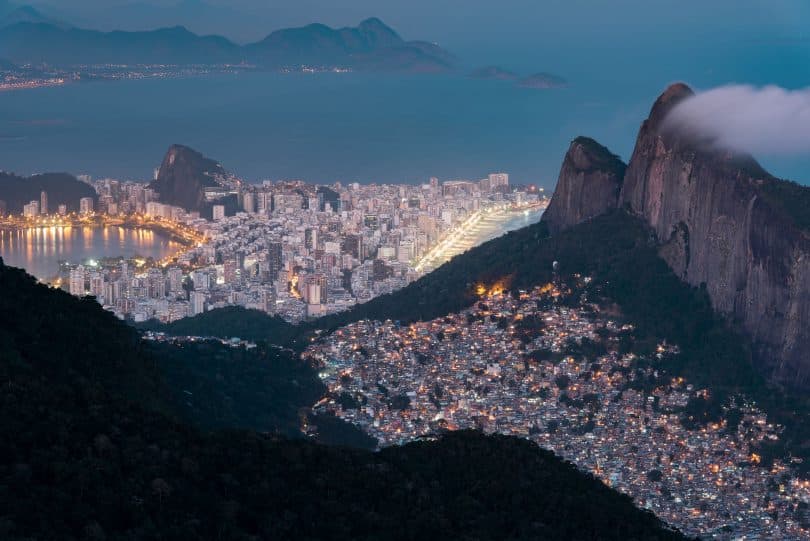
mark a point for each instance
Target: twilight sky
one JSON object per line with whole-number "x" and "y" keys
{"x": 477, "y": 24}
{"x": 730, "y": 41}
{"x": 618, "y": 54}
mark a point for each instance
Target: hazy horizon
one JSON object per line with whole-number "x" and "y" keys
{"x": 617, "y": 58}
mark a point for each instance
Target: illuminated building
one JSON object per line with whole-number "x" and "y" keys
{"x": 76, "y": 284}
{"x": 86, "y": 205}
{"x": 197, "y": 304}
{"x": 31, "y": 209}
{"x": 249, "y": 202}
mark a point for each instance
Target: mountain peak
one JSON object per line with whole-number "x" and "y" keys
{"x": 672, "y": 96}
{"x": 183, "y": 177}
{"x": 378, "y": 33}
{"x": 587, "y": 154}
{"x": 374, "y": 23}
{"x": 589, "y": 185}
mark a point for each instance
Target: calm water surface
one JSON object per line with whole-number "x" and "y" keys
{"x": 39, "y": 250}
{"x": 348, "y": 127}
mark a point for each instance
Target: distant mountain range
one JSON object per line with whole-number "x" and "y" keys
{"x": 11, "y": 13}
{"x": 540, "y": 81}
{"x": 199, "y": 16}
{"x": 371, "y": 45}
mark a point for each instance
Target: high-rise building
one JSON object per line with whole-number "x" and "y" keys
{"x": 175, "y": 276}
{"x": 268, "y": 300}
{"x": 86, "y": 205}
{"x": 155, "y": 284}
{"x": 197, "y": 303}
{"x": 248, "y": 202}
{"x": 62, "y": 209}
{"x": 31, "y": 209}
{"x": 407, "y": 251}
{"x": 313, "y": 289}
{"x": 3, "y": 207}
{"x": 497, "y": 180}
{"x": 43, "y": 202}
{"x": 112, "y": 292}
{"x": 96, "y": 284}
{"x": 262, "y": 200}
{"x": 76, "y": 283}
{"x": 274, "y": 259}
{"x": 219, "y": 212}
{"x": 201, "y": 280}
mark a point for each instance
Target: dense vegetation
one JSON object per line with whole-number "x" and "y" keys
{"x": 230, "y": 322}
{"x": 265, "y": 389}
{"x": 219, "y": 387}
{"x": 791, "y": 198}
{"x": 602, "y": 158}
{"x": 81, "y": 460}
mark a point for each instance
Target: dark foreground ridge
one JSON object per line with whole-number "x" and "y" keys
{"x": 87, "y": 454}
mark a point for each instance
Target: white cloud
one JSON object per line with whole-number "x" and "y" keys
{"x": 768, "y": 120}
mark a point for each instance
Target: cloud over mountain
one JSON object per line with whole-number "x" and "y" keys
{"x": 767, "y": 120}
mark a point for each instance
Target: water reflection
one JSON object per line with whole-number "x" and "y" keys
{"x": 39, "y": 249}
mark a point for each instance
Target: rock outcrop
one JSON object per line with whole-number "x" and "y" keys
{"x": 183, "y": 177}
{"x": 589, "y": 185}
{"x": 723, "y": 223}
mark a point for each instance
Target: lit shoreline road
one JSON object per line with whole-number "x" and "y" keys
{"x": 478, "y": 228}
{"x": 183, "y": 234}
{"x": 178, "y": 231}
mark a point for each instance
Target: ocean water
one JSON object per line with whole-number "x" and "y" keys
{"x": 347, "y": 127}
{"x": 40, "y": 249}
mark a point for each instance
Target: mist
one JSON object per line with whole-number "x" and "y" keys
{"x": 768, "y": 121}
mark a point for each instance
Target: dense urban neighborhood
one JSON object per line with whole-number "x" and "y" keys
{"x": 550, "y": 366}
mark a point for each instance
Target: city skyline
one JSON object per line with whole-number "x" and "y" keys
{"x": 427, "y": 270}
{"x": 295, "y": 250}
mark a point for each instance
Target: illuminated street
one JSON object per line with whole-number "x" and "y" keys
{"x": 480, "y": 227}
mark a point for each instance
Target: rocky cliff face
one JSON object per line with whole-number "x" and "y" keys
{"x": 711, "y": 212}
{"x": 589, "y": 185}
{"x": 720, "y": 227}
{"x": 183, "y": 177}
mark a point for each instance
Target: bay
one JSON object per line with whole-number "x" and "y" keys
{"x": 40, "y": 249}
{"x": 326, "y": 127}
